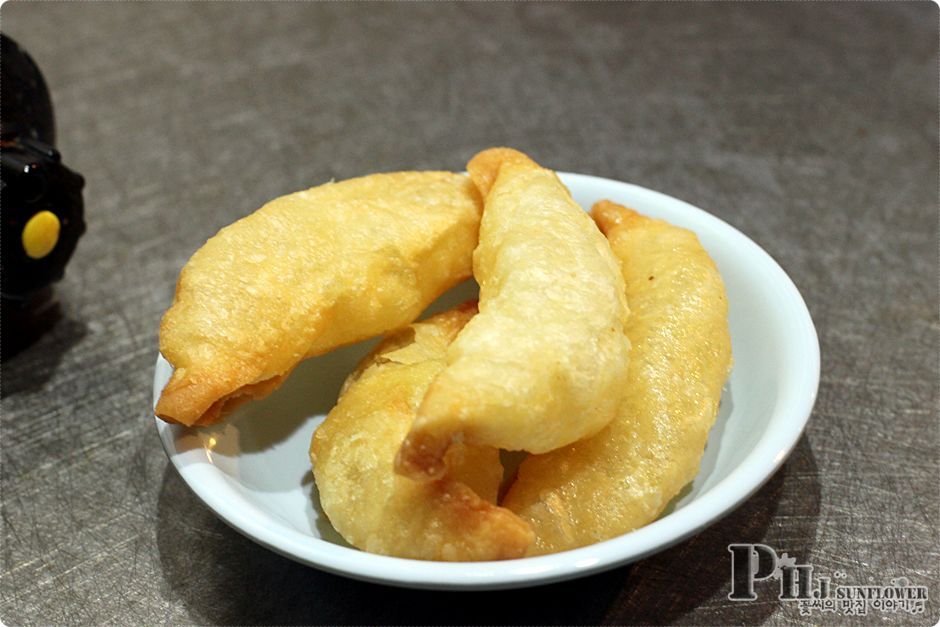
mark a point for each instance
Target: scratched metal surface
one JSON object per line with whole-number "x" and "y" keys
{"x": 811, "y": 127}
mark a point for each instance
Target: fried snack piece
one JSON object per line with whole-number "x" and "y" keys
{"x": 306, "y": 273}
{"x": 453, "y": 519}
{"x": 624, "y": 476}
{"x": 543, "y": 363}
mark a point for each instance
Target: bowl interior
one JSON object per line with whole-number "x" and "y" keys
{"x": 261, "y": 452}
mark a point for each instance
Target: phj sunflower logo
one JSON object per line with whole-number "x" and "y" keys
{"x": 800, "y": 583}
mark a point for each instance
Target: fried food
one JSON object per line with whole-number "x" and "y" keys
{"x": 353, "y": 451}
{"x": 543, "y": 363}
{"x": 306, "y": 273}
{"x": 624, "y": 476}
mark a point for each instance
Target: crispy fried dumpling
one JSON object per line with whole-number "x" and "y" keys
{"x": 543, "y": 363}
{"x": 623, "y": 477}
{"x": 306, "y": 273}
{"x": 353, "y": 453}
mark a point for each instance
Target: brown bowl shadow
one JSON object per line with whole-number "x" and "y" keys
{"x": 689, "y": 583}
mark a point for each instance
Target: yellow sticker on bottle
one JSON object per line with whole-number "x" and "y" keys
{"x": 41, "y": 234}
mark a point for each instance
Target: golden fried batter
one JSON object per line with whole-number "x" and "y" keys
{"x": 543, "y": 363}
{"x": 453, "y": 519}
{"x": 624, "y": 476}
{"x": 306, "y": 273}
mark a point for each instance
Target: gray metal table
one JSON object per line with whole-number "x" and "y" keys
{"x": 812, "y": 127}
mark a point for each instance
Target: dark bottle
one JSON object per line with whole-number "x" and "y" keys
{"x": 40, "y": 204}
{"x": 40, "y": 199}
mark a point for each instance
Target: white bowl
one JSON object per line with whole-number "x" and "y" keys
{"x": 254, "y": 472}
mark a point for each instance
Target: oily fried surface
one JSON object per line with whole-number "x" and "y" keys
{"x": 624, "y": 476}
{"x": 353, "y": 451}
{"x": 543, "y": 363}
{"x": 306, "y": 273}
